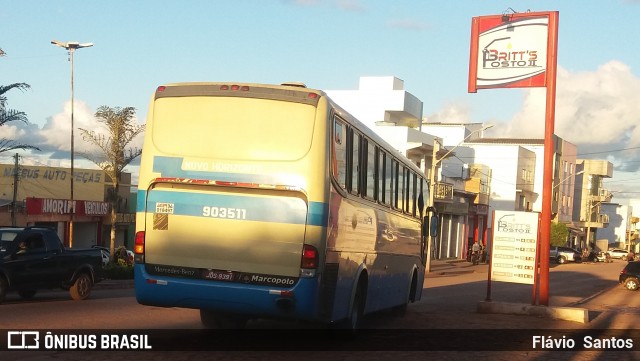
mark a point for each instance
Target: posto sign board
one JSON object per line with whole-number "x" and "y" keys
{"x": 510, "y": 50}
{"x": 514, "y": 250}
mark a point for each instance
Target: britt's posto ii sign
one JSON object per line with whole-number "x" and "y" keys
{"x": 510, "y": 50}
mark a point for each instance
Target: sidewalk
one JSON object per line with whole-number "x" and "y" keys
{"x": 451, "y": 267}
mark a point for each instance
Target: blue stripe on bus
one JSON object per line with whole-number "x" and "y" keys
{"x": 172, "y": 167}
{"x": 281, "y": 210}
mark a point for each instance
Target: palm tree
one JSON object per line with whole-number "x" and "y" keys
{"x": 10, "y": 115}
{"x": 114, "y": 155}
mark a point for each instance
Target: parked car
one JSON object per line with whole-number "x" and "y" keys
{"x": 630, "y": 276}
{"x": 34, "y": 258}
{"x": 618, "y": 253}
{"x": 600, "y": 257}
{"x": 565, "y": 254}
{"x": 106, "y": 256}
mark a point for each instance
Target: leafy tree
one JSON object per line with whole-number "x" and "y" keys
{"x": 115, "y": 155}
{"x": 10, "y": 115}
{"x": 559, "y": 234}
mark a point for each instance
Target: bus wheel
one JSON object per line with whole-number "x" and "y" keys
{"x": 217, "y": 320}
{"x": 354, "y": 318}
{"x": 401, "y": 310}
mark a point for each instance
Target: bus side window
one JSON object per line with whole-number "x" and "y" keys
{"x": 394, "y": 183}
{"x": 369, "y": 188}
{"x": 388, "y": 180}
{"x": 381, "y": 176}
{"x": 414, "y": 194}
{"x": 402, "y": 188}
{"x": 339, "y": 156}
{"x": 353, "y": 170}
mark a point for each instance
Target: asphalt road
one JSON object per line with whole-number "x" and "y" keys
{"x": 445, "y": 320}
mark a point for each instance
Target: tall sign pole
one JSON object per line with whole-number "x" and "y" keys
{"x": 516, "y": 50}
{"x": 549, "y": 150}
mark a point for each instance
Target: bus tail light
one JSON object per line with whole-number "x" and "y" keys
{"x": 138, "y": 247}
{"x": 309, "y": 257}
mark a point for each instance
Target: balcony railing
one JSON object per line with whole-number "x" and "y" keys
{"x": 443, "y": 192}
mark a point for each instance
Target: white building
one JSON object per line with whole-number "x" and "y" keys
{"x": 616, "y": 230}
{"x": 513, "y": 173}
{"x": 382, "y": 104}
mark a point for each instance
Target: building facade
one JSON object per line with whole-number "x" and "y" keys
{"x": 41, "y": 196}
{"x": 382, "y": 104}
{"x": 590, "y": 194}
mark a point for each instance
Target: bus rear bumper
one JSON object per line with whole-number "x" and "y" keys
{"x": 296, "y": 302}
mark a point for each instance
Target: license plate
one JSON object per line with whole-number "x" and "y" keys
{"x": 217, "y": 275}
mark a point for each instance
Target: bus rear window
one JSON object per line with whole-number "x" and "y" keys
{"x": 232, "y": 128}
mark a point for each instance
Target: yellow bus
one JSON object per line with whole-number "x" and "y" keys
{"x": 270, "y": 201}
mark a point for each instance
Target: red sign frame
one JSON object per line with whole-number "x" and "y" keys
{"x": 507, "y": 66}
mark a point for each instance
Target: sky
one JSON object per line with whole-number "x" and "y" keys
{"x": 328, "y": 45}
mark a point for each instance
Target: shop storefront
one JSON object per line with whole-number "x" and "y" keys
{"x": 57, "y": 213}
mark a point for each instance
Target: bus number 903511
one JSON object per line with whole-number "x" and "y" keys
{"x": 224, "y": 212}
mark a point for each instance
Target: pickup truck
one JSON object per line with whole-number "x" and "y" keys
{"x": 565, "y": 254}
{"x": 34, "y": 258}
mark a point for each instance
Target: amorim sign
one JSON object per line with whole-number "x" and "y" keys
{"x": 509, "y": 51}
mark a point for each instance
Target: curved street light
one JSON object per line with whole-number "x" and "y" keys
{"x": 71, "y": 47}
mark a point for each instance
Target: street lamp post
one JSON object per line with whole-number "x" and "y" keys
{"x": 71, "y": 47}
{"x": 432, "y": 182}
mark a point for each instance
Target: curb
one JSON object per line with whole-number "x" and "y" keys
{"x": 580, "y": 315}
{"x": 114, "y": 285}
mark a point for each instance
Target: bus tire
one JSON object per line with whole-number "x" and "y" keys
{"x": 401, "y": 309}
{"x": 217, "y": 320}
{"x": 354, "y": 318}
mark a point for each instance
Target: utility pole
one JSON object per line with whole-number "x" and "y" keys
{"x": 431, "y": 205}
{"x": 71, "y": 47}
{"x": 16, "y": 177}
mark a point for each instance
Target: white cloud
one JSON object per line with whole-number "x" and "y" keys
{"x": 57, "y": 129}
{"x": 408, "y": 24}
{"x": 350, "y": 5}
{"x": 451, "y": 113}
{"x": 592, "y": 108}
{"x": 54, "y": 138}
